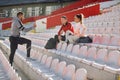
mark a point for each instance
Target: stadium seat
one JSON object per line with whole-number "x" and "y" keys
{"x": 48, "y": 62}
{"x": 97, "y": 39}
{"x": 108, "y": 30}
{"x": 113, "y": 62}
{"x": 54, "y": 64}
{"x": 115, "y": 41}
{"x": 105, "y": 40}
{"x": 101, "y": 30}
{"x": 6, "y": 70}
{"x": 91, "y": 56}
{"x": 100, "y": 58}
{"x": 69, "y": 72}
{"x": 83, "y": 52}
{"x": 40, "y": 56}
{"x": 74, "y": 54}
{"x": 75, "y": 50}
{"x": 35, "y": 54}
{"x": 44, "y": 58}
{"x": 63, "y": 49}
{"x": 81, "y": 74}
{"x": 59, "y": 45}
{"x": 61, "y": 67}
{"x": 116, "y": 31}
{"x": 117, "y": 23}
{"x": 68, "y": 50}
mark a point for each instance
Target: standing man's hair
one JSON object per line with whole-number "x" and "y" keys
{"x": 19, "y": 13}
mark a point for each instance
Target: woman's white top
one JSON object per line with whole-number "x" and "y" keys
{"x": 78, "y": 29}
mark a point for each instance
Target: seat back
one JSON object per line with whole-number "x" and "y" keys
{"x": 61, "y": 67}
{"x": 48, "y": 62}
{"x": 54, "y": 65}
{"x": 69, "y": 72}
{"x": 64, "y": 46}
{"x": 81, "y": 74}
{"x": 44, "y": 59}
{"x": 114, "y": 58}
{"x": 40, "y": 57}
{"x": 91, "y": 54}
{"x": 59, "y": 45}
{"x": 105, "y": 40}
{"x": 83, "y": 52}
{"x": 115, "y": 41}
{"x": 76, "y": 50}
{"x": 69, "y": 48}
{"x": 102, "y": 55}
{"x": 97, "y": 39}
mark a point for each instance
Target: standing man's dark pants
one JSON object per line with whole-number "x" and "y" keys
{"x": 14, "y": 41}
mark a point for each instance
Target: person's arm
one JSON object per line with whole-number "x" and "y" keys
{"x": 71, "y": 28}
{"x": 22, "y": 28}
{"x": 60, "y": 31}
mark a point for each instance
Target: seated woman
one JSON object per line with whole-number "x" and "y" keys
{"x": 79, "y": 29}
{"x": 66, "y": 28}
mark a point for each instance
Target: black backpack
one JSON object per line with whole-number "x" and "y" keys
{"x": 51, "y": 44}
{"x": 86, "y": 39}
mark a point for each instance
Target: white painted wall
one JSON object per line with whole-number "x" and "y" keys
{"x": 40, "y": 26}
{"x": 0, "y": 26}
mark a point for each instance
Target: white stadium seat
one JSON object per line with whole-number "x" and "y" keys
{"x": 61, "y": 67}
{"x": 83, "y": 52}
{"x": 75, "y": 50}
{"x": 100, "y": 58}
{"x": 91, "y": 55}
{"x": 69, "y": 72}
{"x": 81, "y": 74}
{"x": 113, "y": 62}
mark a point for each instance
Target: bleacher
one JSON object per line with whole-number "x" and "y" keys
{"x": 6, "y": 71}
{"x": 99, "y": 60}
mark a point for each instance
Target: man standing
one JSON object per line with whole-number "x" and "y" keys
{"x": 15, "y": 38}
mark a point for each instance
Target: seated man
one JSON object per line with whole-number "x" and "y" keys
{"x": 66, "y": 28}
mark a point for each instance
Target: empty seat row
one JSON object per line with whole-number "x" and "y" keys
{"x": 103, "y": 24}
{"x": 109, "y": 31}
{"x": 98, "y": 58}
{"x": 44, "y": 34}
{"x": 6, "y": 71}
{"x": 98, "y": 40}
{"x": 101, "y": 39}
{"x": 105, "y": 17}
{"x": 53, "y": 69}
{"x": 106, "y": 40}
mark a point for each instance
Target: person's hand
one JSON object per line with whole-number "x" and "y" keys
{"x": 62, "y": 32}
{"x": 43, "y": 22}
{"x": 59, "y": 37}
{"x": 34, "y": 25}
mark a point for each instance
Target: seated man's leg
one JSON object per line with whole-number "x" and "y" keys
{"x": 70, "y": 39}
